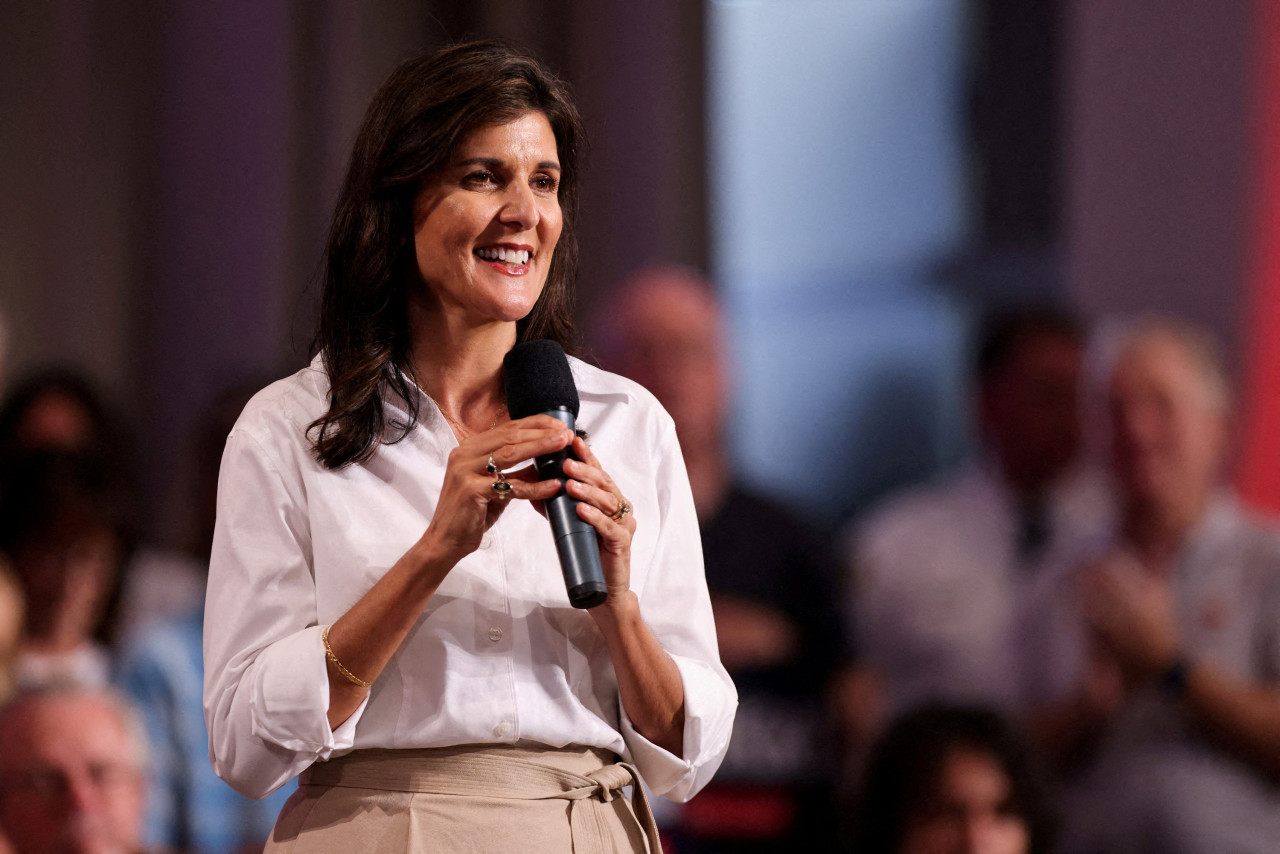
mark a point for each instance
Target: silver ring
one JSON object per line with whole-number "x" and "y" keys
{"x": 492, "y": 466}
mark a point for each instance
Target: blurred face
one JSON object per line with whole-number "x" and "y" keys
{"x": 68, "y": 781}
{"x": 673, "y": 348}
{"x": 66, "y": 575}
{"x": 1168, "y": 436}
{"x": 486, "y": 226}
{"x": 1031, "y": 410}
{"x": 970, "y": 813}
{"x": 54, "y": 420}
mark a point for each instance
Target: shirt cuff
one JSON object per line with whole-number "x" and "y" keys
{"x": 709, "y": 705}
{"x": 291, "y": 698}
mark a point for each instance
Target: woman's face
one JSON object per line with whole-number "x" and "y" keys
{"x": 486, "y": 225}
{"x": 970, "y": 812}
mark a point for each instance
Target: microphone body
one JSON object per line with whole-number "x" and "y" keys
{"x": 537, "y": 380}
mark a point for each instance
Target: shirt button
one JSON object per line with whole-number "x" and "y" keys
{"x": 486, "y": 541}
{"x": 502, "y": 730}
{"x": 495, "y": 634}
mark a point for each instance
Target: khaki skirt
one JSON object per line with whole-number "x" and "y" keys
{"x": 468, "y": 800}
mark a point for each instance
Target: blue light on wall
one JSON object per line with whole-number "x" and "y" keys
{"x": 837, "y": 189}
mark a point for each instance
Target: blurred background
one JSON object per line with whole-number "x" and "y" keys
{"x": 861, "y": 179}
{"x": 865, "y": 183}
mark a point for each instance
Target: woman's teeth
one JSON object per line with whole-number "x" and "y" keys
{"x": 511, "y": 257}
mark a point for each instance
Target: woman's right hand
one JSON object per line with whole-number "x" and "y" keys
{"x": 468, "y": 504}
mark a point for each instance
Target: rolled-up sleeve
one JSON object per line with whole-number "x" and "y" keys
{"x": 266, "y": 689}
{"x": 677, "y": 606}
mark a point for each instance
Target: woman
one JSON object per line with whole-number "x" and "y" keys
{"x": 371, "y": 589}
{"x": 952, "y": 780}
{"x": 62, "y": 527}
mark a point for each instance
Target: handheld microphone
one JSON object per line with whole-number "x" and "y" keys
{"x": 537, "y": 381}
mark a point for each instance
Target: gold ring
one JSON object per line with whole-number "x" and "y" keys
{"x": 502, "y": 487}
{"x": 623, "y": 511}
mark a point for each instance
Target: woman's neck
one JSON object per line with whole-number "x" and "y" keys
{"x": 459, "y": 366}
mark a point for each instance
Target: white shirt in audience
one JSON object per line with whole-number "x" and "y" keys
{"x": 939, "y": 586}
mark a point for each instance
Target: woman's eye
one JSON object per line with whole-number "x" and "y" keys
{"x": 481, "y": 178}
{"x": 545, "y": 183}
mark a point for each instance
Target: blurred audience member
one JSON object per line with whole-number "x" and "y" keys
{"x": 1161, "y": 652}
{"x": 71, "y": 778}
{"x": 13, "y": 621}
{"x": 940, "y": 573}
{"x": 60, "y": 525}
{"x": 770, "y": 580}
{"x": 57, "y": 409}
{"x": 60, "y": 409}
{"x": 952, "y": 780}
{"x": 162, "y": 670}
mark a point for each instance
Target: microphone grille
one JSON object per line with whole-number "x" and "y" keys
{"x": 536, "y": 378}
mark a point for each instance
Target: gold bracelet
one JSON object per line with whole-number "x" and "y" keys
{"x": 333, "y": 659}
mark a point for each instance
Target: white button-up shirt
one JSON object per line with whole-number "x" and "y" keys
{"x": 939, "y": 592}
{"x": 498, "y": 655}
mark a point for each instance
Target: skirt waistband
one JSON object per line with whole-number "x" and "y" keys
{"x": 582, "y": 775}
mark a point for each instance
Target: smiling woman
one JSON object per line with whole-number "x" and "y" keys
{"x": 486, "y": 227}
{"x": 386, "y": 613}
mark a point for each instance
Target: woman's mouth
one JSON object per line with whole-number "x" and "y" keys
{"x": 514, "y": 262}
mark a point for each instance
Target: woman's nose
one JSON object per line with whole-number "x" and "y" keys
{"x": 519, "y": 208}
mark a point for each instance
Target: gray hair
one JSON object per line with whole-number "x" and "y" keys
{"x": 1199, "y": 344}
{"x": 126, "y": 713}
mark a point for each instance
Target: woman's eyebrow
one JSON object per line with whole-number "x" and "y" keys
{"x": 496, "y": 163}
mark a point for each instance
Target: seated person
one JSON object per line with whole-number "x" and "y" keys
{"x": 61, "y": 527}
{"x": 940, "y": 574}
{"x": 71, "y": 773}
{"x": 1160, "y": 644}
{"x": 770, "y": 579}
{"x": 952, "y": 780}
{"x": 61, "y": 410}
{"x": 162, "y": 671}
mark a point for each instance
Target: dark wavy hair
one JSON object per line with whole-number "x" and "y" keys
{"x": 907, "y": 763}
{"x": 416, "y": 121}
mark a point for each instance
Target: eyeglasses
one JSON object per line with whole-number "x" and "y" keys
{"x": 51, "y": 783}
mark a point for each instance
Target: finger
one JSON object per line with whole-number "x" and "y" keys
{"x": 539, "y": 490}
{"x": 584, "y": 452}
{"x": 604, "y": 500}
{"x": 592, "y": 474}
{"x": 511, "y": 448}
{"x": 614, "y": 536}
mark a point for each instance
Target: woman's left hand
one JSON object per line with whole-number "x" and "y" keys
{"x": 601, "y": 499}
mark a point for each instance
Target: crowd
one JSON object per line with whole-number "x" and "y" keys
{"x": 1056, "y": 648}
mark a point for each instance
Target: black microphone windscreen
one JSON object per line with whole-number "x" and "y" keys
{"x": 536, "y": 378}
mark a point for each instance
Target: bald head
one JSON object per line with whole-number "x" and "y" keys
{"x": 664, "y": 329}
{"x": 72, "y": 775}
{"x": 1169, "y": 403}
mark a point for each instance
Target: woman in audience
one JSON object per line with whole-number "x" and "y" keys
{"x": 61, "y": 526}
{"x": 952, "y": 780}
{"x": 58, "y": 409}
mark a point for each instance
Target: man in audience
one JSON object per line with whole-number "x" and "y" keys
{"x": 1160, "y": 652}
{"x": 939, "y": 574}
{"x": 770, "y": 582}
{"x": 71, "y": 773}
